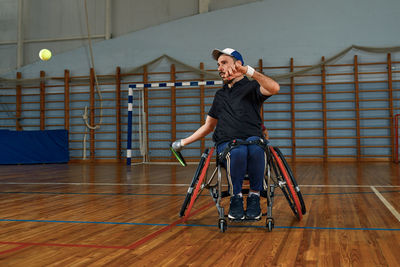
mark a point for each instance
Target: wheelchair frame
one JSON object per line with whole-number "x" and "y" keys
{"x": 277, "y": 174}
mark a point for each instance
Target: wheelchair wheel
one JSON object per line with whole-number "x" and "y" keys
{"x": 290, "y": 173}
{"x": 199, "y": 181}
{"x": 285, "y": 184}
{"x": 193, "y": 183}
{"x": 270, "y": 224}
{"x": 222, "y": 225}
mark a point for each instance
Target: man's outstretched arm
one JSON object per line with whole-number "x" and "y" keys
{"x": 267, "y": 85}
{"x": 203, "y": 131}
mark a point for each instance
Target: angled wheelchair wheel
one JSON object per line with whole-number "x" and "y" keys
{"x": 285, "y": 184}
{"x": 193, "y": 183}
{"x": 294, "y": 182}
{"x": 197, "y": 182}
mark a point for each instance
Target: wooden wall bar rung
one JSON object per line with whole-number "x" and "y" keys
{"x": 307, "y": 101}
{"x": 378, "y": 146}
{"x": 339, "y": 83}
{"x": 374, "y": 72}
{"x": 83, "y": 132}
{"x": 340, "y": 92}
{"x": 31, "y": 109}
{"x": 376, "y": 90}
{"x": 32, "y": 102}
{"x": 55, "y": 109}
{"x": 110, "y": 108}
{"x": 339, "y": 74}
{"x": 27, "y": 87}
{"x": 306, "y": 84}
{"x": 377, "y": 127}
{"x": 307, "y": 93}
{"x": 80, "y": 93}
{"x": 10, "y": 110}
{"x": 308, "y": 129}
{"x": 371, "y": 63}
{"x": 280, "y": 102}
{"x": 105, "y": 116}
{"x": 53, "y": 101}
{"x": 339, "y": 101}
{"x": 380, "y": 81}
{"x": 281, "y": 129}
{"x": 372, "y": 100}
{"x": 342, "y": 146}
{"x": 159, "y": 98}
{"x": 54, "y": 117}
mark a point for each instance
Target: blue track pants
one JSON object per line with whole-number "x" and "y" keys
{"x": 242, "y": 160}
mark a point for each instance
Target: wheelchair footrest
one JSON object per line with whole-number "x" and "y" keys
{"x": 244, "y": 220}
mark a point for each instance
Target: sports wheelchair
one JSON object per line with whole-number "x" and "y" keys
{"x": 277, "y": 174}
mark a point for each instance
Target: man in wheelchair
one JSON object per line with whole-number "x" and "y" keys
{"x": 235, "y": 115}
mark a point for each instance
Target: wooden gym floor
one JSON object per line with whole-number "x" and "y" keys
{"x": 109, "y": 214}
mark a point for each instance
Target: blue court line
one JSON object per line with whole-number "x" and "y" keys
{"x": 351, "y": 193}
{"x": 102, "y": 194}
{"x": 207, "y": 225}
{"x": 295, "y": 227}
{"x": 93, "y": 222}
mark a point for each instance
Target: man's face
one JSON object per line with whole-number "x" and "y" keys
{"x": 225, "y": 62}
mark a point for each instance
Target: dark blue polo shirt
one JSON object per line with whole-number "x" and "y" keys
{"x": 237, "y": 110}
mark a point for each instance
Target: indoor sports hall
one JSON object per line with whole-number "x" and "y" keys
{"x": 97, "y": 98}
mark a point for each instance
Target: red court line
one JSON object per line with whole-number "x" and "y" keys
{"x": 133, "y": 246}
{"x": 165, "y": 228}
{"x": 13, "y": 249}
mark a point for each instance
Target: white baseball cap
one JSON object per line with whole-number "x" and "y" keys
{"x": 216, "y": 53}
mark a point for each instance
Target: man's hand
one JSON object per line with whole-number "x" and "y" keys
{"x": 235, "y": 71}
{"x": 265, "y": 133}
{"x": 177, "y": 145}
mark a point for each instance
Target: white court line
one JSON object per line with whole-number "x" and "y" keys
{"x": 347, "y": 185}
{"x": 387, "y": 204}
{"x": 119, "y": 184}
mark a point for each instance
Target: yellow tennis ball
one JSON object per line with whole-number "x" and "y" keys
{"x": 45, "y": 54}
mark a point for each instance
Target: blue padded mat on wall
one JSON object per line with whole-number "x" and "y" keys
{"x": 29, "y": 147}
